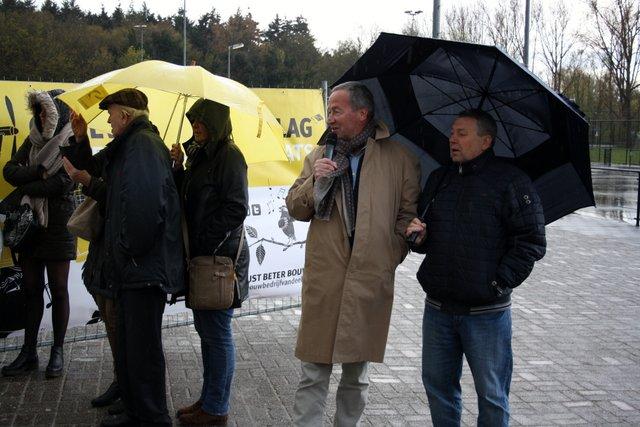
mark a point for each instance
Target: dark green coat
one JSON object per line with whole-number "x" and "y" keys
{"x": 214, "y": 191}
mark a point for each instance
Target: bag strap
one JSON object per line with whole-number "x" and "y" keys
{"x": 185, "y": 234}
{"x": 239, "y": 245}
{"x": 185, "y": 239}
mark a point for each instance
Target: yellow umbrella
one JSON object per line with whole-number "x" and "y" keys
{"x": 171, "y": 90}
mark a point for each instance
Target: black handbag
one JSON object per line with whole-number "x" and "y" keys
{"x": 12, "y": 300}
{"x": 20, "y": 227}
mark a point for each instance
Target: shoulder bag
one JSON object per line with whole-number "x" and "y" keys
{"x": 86, "y": 221}
{"x": 212, "y": 279}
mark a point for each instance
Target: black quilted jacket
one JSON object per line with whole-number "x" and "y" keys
{"x": 485, "y": 223}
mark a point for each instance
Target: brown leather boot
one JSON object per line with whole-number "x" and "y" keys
{"x": 200, "y": 417}
{"x": 189, "y": 409}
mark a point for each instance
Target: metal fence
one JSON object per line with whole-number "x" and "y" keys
{"x": 97, "y": 330}
{"x": 615, "y": 142}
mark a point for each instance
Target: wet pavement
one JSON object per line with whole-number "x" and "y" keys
{"x": 576, "y": 347}
{"x": 616, "y": 194}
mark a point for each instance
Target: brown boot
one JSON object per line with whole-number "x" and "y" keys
{"x": 200, "y": 417}
{"x": 189, "y": 409}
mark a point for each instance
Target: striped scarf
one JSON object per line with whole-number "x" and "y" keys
{"x": 325, "y": 188}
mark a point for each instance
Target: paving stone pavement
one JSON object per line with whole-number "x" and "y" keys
{"x": 576, "y": 343}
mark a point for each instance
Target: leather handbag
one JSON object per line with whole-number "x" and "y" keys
{"x": 212, "y": 279}
{"x": 86, "y": 221}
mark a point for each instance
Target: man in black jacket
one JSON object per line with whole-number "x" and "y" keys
{"x": 482, "y": 232}
{"x": 142, "y": 247}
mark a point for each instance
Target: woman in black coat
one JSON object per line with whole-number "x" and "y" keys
{"x": 214, "y": 192}
{"x": 40, "y": 180}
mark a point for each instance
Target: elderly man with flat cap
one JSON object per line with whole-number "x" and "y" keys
{"x": 142, "y": 247}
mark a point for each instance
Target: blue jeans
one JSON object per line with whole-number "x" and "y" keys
{"x": 218, "y": 358}
{"x": 485, "y": 340}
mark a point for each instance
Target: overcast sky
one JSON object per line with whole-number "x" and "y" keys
{"x": 329, "y": 20}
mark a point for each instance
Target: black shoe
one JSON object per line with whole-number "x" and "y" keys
{"x": 27, "y": 360}
{"x": 121, "y": 420}
{"x": 56, "y": 362}
{"x": 117, "y": 408}
{"x": 108, "y": 397}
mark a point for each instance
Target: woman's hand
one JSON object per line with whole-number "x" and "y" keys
{"x": 177, "y": 157}
{"x": 76, "y": 175}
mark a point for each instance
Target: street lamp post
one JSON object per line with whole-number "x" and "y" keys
{"x": 436, "y": 19}
{"x": 229, "y": 49}
{"x": 184, "y": 32}
{"x": 413, "y": 14}
{"x": 141, "y": 27}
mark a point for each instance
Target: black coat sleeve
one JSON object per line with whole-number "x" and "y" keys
{"x": 55, "y": 185}
{"x": 97, "y": 190}
{"x": 16, "y": 171}
{"x": 523, "y": 218}
{"x": 231, "y": 175}
{"x": 81, "y": 156}
{"x": 434, "y": 183}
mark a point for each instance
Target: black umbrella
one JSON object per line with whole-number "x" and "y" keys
{"x": 421, "y": 84}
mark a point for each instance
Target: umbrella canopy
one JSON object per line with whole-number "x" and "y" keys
{"x": 171, "y": 90}
{"x": 421, "y": 84}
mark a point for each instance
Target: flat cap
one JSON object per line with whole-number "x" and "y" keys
{"x": 127, "y": 98}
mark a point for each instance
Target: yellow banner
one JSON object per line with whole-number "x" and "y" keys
{"x": 299, "y": 111}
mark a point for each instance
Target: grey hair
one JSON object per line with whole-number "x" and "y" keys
{"x": 132, "y": 112}
{"x": 485, "y": 123}
{"x": 359, "y": 96}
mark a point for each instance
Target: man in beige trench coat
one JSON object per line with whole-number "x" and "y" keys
{"x": 359, "y": 203}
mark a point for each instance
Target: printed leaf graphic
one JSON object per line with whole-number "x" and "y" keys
{"x": 252, "y": 232}
{"x": 260, "y": 254}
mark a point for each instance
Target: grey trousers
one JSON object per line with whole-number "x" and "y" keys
{"x": 311, "y": 395}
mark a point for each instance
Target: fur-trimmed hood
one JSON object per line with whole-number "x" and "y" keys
{"x": 57, "y": 112}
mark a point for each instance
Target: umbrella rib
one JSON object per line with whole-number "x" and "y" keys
{"x": 434, "y": 76}
{"x": 510, "y": 147}
{"x": 498, "y": 92}
{"x": 509, "y": 104}
{"x": 486, "y": 89}
{"x": 458, "y": 75}
{"x": 170, "y": 118}
{"x": 453, "y": 101}
{"x": 523, "y": 127}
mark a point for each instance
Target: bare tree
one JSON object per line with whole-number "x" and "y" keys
{"x": 466, "y": 24}
{"x": 417, "y": 26}
{"x": 557, "y": 44}
{"x": 506, "y": 27}
{"x": 615, "y": 39}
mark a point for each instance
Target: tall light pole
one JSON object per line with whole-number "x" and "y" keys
{"x": 184, "y": 33}
{"x": 527, "y": 18}
{"x": 141, "y": 27}
{"x": 229, "y": 49}
{"x": 413, "y": 14}
{"x": 436, "y": 19}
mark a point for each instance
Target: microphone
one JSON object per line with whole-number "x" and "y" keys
{"x": 330, "y": 145}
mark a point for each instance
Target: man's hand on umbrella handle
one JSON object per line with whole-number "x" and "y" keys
{"x": 323, "y": 167}
{"x": 76, "y": 175}
{"x": 416, "y": 231}
{"x": 78, "y": 126}
{"x": 177, "y": 157}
